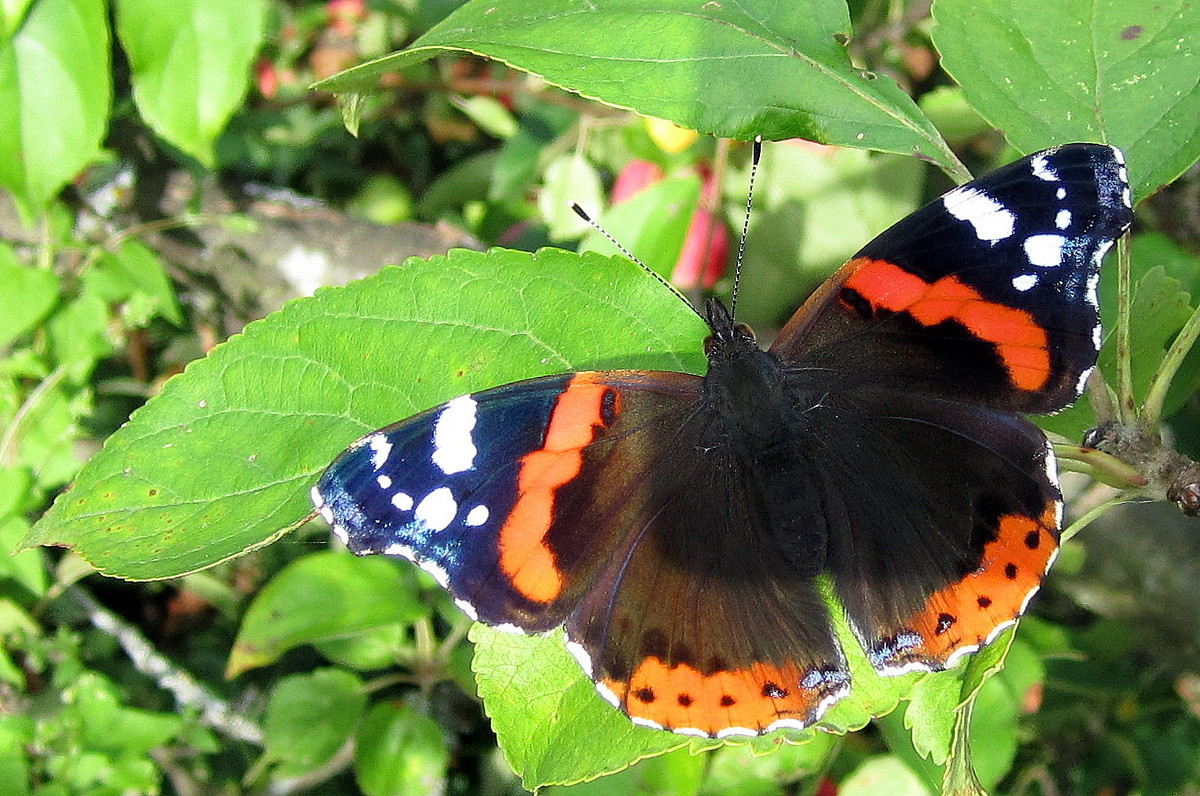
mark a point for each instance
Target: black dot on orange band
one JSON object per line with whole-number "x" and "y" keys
{"x": 772, "y": 691}
{"x": 1032, "y": 540}
{"x": 984, "y": 601}
{"x": 644, "y": 694}
{"x": 685, "y": 700}
{"x": 1010, "y": 571}
{"x": 727, "y": 701}
{"x": 944, "y": 623}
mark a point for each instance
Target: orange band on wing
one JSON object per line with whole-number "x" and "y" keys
{"x": 1020, "y": 342}
{"x": 754, "y": 698}
{"x": 966, "y": 613}
{"x": 524, "y": 556}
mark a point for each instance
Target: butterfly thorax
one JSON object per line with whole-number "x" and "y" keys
{"x": 752, "y": 423}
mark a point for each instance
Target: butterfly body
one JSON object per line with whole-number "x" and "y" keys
{"x": 685, "y": 530}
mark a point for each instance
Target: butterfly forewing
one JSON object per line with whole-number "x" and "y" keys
{"x": 986, "y": 295}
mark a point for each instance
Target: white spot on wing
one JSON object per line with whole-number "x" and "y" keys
{"x": 962, "y": 652}
{"x": 402, "y": 501}
{"x": 477, "y": 516}
{"x": 911, "y": 666}
{"x": 1061, "y": 193}
{"x": 585, "y": 660}
{"x": 381, "y": 449}
{"x": 1025, "y": 282}
{"x": 1050, "y": 461}
{"x": 1045, "y": 251}
{"x": 439, "y": 574}
{"x": 786, "y": 724}
{"x": 437, "y": 509}
{"x": 991, "y": 220}
{"x": 693, "y": 731}
{"x": 607, "y": 695}
{"x": 467, "y": 609}
{"x": 654, "y": 725}
{"x": 398, "y": 549}
{"x": 384, "y": 481}
{"x": 732, "y": 732}
{"x": 1082, "y": 383}
{"x": 317, "y": 500}
{"x": 453, "y": 447}
{"x": 1063, "y": 219}
{"x": 1042, "y": 169}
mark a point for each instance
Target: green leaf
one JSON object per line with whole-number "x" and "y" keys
{"x": 378, "y": 648}
{"x": 130, "y": 273}
{"x": 931, "y": 713}
{"x": 310, "y": 717}
{"x": 223, "y": 459}
{"x": 489, "y": 113}
{"x": 741, "y": 769}
{"x": 1116, "y": 71}
{"x": 548, "y": 717}
{"x": 107, "y": 725}
{"x": 1002, "y": 701}
{"x": 26, "y": 567}
{"x": 883, "y": 775}
{"x": 12, "y": 13}
{"x": 321, "y": 596}
{"x": 16, "y": 736}
{"x": 55, "y": 89}
{"x": 568, "y": 179}
{"x": 677, "y": 773}
{"x": 191, "y": 64}
{"x": 734, "y": 70}
{"x": 79, "y": 335}
{"x": 1159, "y": 309}
{"x": 400, "y": 753}
{"x": 28, "y": 296}
{"x": 652, "y": 223}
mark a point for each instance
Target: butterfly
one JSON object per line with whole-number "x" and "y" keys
{"x": 685, "y": 529}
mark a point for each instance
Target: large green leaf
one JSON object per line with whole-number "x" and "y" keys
{"x": 1118, "y": 71}
{"x": 191, "y": 64}
{"x": 222, "y": 461}
{"x": 758, "y": 67}
{"x": 55, "y": 90}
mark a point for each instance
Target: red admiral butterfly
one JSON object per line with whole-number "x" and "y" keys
{"x": 685, "y": 528}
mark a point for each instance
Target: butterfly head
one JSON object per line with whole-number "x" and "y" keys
{"x": 727, "y": 335}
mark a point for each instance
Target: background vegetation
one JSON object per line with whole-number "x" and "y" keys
{"x": 169, "y": 176}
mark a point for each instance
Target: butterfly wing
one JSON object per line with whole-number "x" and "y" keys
{"x": 986, "y": 295}
{"x": 927, "y": 342}
{"x": 589, "y": 500}
{"x": 469, "y": 490}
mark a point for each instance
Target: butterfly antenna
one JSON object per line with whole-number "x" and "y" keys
{"x": 579, "y": 211}
{"x": 737, "y": 268}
